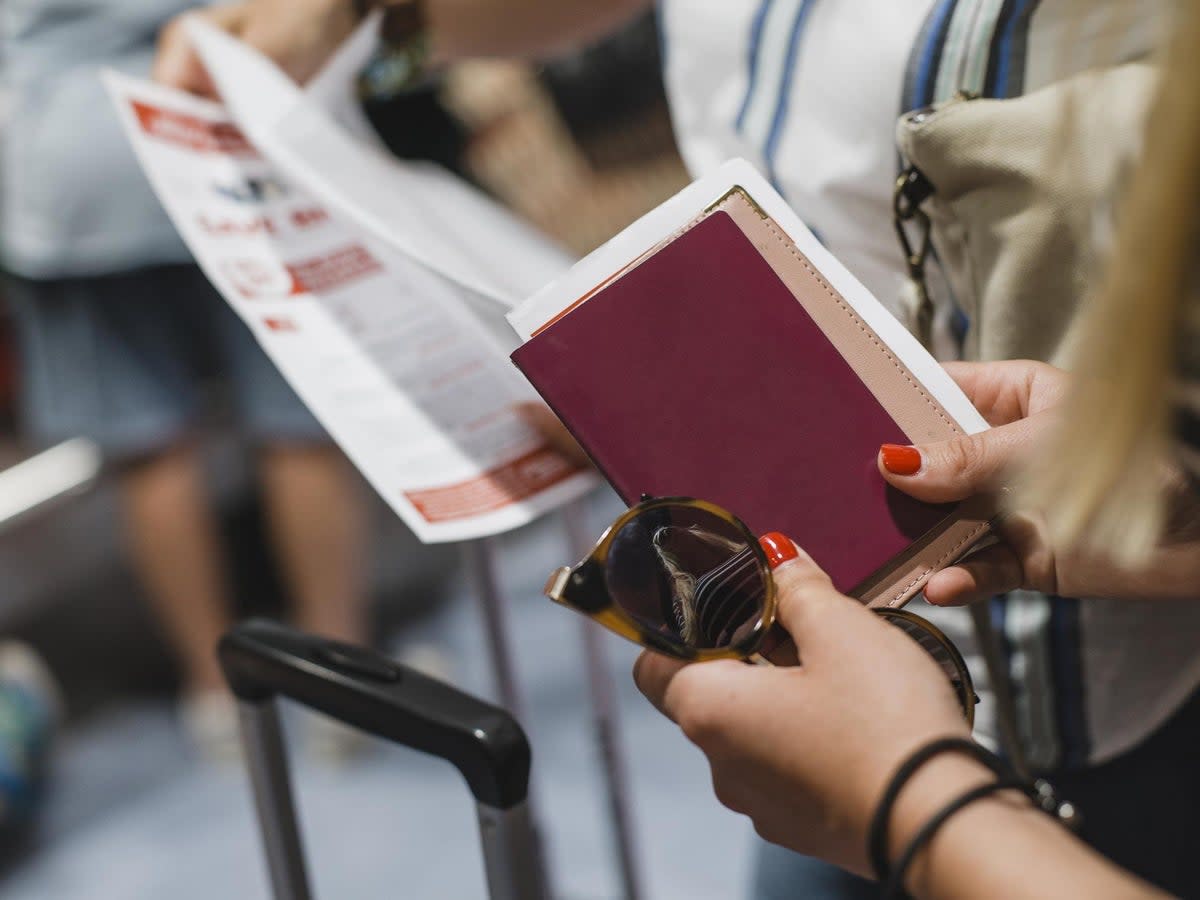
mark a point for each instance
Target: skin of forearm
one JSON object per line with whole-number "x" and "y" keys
{"x": 999, "y": 847}
{"x": 465, "y": 29}
{"x": 999, "y": 851}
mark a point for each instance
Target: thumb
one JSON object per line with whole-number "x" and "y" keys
{"x": 542, "y": 420}
{"x": 804, "y": 595}
{"x": 958, "y": 468}
{"x": 176, "y": 62}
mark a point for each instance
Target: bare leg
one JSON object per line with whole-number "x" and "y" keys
{"x": 173, "y": 540}
{"x": 316, "y": 514}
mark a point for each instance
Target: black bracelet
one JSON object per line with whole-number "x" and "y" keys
{"x": 877, "y": 836}
{"x": 894, "y": 888}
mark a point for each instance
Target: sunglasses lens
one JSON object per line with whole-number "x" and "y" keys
{"x": 687, "y": 574}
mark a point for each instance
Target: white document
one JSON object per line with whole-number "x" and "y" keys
{"x": 335, "y": 87}
{"x": 419, "y": 209}
{"x": 386, "y": 351}
{"x": 672, "y": 217}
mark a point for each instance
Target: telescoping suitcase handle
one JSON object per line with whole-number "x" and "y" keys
{"x": 264, "y": 660}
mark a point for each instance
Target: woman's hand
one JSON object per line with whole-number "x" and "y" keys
{"x": 555, "y": 432}
{"x": 299, "y": 35}
{"x": 805, "y": 752}
{"x": 1018, "y": 399}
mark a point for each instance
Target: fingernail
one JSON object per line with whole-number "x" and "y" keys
{"x": 900, "y": 460}
{"x": 779, "y": 548}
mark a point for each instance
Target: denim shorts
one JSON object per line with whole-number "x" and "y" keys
{"x": 127, "y": 360}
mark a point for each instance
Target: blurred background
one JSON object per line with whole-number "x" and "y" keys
{"x": 116, "y": 776}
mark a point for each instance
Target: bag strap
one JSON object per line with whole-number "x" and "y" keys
{"x": 1006, "y": 707}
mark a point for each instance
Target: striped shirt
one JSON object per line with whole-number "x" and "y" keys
{"x": 810, "y": 90}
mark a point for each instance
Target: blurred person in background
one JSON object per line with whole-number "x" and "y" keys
{"x": 115, "y": 325}
{"x": 811, "y": 90}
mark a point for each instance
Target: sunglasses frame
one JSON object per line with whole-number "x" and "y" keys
{"x": 964, "y": 686}
{"x": 582, "y": 588}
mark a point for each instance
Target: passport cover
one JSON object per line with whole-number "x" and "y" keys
{"x": 721, "y": 365}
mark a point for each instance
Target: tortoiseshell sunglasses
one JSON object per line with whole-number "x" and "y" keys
{"x": 689, "y": 579}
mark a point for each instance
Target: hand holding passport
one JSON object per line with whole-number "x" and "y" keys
{"x": 722, "y": 362}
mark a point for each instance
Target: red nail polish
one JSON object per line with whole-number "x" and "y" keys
{"x": 779, "y": 548}
{"x": 900, "y": 460}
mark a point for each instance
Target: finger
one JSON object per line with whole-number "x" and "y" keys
{"x": 959, "y": 468}
{"x": 989, "y": 572}
{"x": 969, "y": 376}
{"x": 1001, "y": 391}
{"x": 804, "y": 595}
{"x": 653, "y": 672}
{"x": 699, "y": 696}
{"x": 176, "y": 62}
{"x": 289, "y": 51}
{"x": 984, "y": 384}
{"x": 196, "y": 80}
{"x": 555, "y": 432}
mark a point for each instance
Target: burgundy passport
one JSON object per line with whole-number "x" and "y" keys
{"x": 699, "y": 373}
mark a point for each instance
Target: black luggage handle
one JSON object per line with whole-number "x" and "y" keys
{"x": 263, "y": 660}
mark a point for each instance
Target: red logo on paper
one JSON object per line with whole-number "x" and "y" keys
{"x": 334, "y": 270}
{"x": 261, "y": 279}
{"x": 192, "y": 132}
{"x": 275, "y": 324}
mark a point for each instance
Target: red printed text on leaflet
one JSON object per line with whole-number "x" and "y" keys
{"x": 334, "y": 270}
{"x": 495, "y": 489}
{"x": 192, "y": 132}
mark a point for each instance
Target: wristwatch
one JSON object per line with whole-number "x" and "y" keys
{"x": 402, "y": 62}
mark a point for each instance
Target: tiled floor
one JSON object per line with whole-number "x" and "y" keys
{"x": 134, "y": 817}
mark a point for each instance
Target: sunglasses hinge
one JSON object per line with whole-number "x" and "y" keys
{"x": 557, "y": 583}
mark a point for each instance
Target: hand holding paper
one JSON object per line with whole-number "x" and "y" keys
{"x": 299, "y": 35}
{"x": 402, "y": 363}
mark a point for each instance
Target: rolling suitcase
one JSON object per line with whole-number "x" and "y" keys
{"x": 263, "y": 660}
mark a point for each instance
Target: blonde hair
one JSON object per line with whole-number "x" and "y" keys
{"x": 1101, "y": 481}
{"x": 683, "y": 582}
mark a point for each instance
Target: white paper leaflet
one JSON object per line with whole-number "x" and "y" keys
{"x": 389, "y": 354}
{"x": 419, "y": 209}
